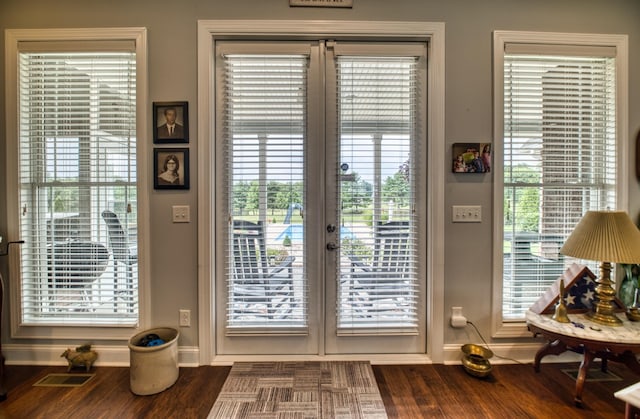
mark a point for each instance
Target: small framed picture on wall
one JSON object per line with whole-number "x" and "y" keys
{"x": 171, "y": 168}
{"x": 170, "y": 122}
{"x": 471, "y": 157}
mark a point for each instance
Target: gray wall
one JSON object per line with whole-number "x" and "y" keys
{"x": 171, "y": 26}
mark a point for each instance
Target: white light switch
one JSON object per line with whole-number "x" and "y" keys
{"x": 181, "y": 214}
{"x": 467, "y": 213}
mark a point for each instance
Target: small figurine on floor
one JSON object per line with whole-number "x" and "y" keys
{"x": 82, "y": 356}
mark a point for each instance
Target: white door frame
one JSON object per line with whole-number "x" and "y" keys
{"x": 211, "y": 30}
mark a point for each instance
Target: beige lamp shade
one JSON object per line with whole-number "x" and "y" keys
{"x": 604, "y": 236}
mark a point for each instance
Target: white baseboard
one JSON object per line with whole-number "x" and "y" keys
{"x": 108, "y": 356}
{"x": 189, "y": 356}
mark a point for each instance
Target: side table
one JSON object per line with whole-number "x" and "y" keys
{"x": 631, "y": 396}
{"x": 618, "y": 344}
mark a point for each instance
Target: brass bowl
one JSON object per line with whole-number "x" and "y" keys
{"x": 633, "y": 314}
{"x": 475, "y": 360}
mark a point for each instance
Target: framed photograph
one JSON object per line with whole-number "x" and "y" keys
{"x": 171, "y": 168}
{"x": 170, "y": 122}
{"x": 471, "y": 157}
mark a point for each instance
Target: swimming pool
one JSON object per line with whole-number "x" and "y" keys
{"x": 296, "y": 233}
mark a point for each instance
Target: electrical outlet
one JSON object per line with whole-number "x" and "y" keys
{"x": 457, "y": 319}
{"x": 185, "y": 318}
{"x": 181, "y": 214}
{"x": 467, "y": 214}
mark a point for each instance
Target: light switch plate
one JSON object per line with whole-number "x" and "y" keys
{"x": 181, "y": 214}
{"x": 467, "y": 214}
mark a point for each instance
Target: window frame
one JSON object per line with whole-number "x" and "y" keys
{"x": 500, "y": 327}
{"x": 58, "y": 37}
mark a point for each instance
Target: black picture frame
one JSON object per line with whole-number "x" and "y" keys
{"x": 161, "y": 177}
{"x": 180, "y": 132}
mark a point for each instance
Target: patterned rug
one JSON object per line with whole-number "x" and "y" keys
{"x": 283, "y": 390}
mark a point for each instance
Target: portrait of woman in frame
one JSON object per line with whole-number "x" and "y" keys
{"x": 171, "y": 168}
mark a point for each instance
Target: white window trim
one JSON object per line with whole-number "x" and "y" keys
{"x": 211, "y": 30}
{"x": 12, "y": 38}
{"x": 500, "y": 328}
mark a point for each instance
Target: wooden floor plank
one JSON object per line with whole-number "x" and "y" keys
{"x": 408, "y": 391}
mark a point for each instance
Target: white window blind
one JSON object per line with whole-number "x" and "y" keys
{"x": 559, "y": 159}
{"x": 265, "y": 115}
{"x": 377, "y": 121}
{"x": 77, "y": 159}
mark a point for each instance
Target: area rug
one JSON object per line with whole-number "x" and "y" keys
{"x": 63, "y": 380}
{"x": 593, "y": 374}
{"x": 282, "y": 390}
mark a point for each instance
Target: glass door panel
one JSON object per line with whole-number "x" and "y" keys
{"x": 373, "y": 182}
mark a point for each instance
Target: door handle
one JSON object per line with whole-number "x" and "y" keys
{"x": 332, "y": 246}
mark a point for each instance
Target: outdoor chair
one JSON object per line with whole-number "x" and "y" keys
{"x": 258, "y": 289}
{"x": 123, "y": 253}
{"x": 382, "y": 283}
{"x": 75, "y": 265}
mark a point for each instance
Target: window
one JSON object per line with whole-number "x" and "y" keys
{"x": 76, "y": 170}
{"x": 560, "y": 131}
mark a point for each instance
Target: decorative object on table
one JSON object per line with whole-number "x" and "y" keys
{"x": 560, "y": 314}
{"x": 82, "y": 356}
{"x": 475, "y": 360}
{"x": 471, "y": 158}
{"x": 633, "y": 314}
{"x": 629, "y": 292}
{"x": 605, "y": 236}
{"x": 580, "y": 287}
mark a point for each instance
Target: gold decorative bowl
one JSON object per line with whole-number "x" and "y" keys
{"x": 475, "y": 360}
{"x": 633, "y": 314}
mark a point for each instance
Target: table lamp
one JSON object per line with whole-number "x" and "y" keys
{"x": 605, "y": 236}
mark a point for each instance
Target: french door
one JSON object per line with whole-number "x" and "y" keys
{"x": 320, "y": 197}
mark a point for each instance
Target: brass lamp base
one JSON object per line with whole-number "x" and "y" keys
{"x": 604, "y": 319}
{"x": 605, "y": 294}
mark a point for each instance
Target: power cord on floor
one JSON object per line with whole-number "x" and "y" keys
{"x": 489, "y": 347}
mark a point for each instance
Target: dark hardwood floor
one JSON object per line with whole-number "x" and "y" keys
{"x": 408, "y": 391}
